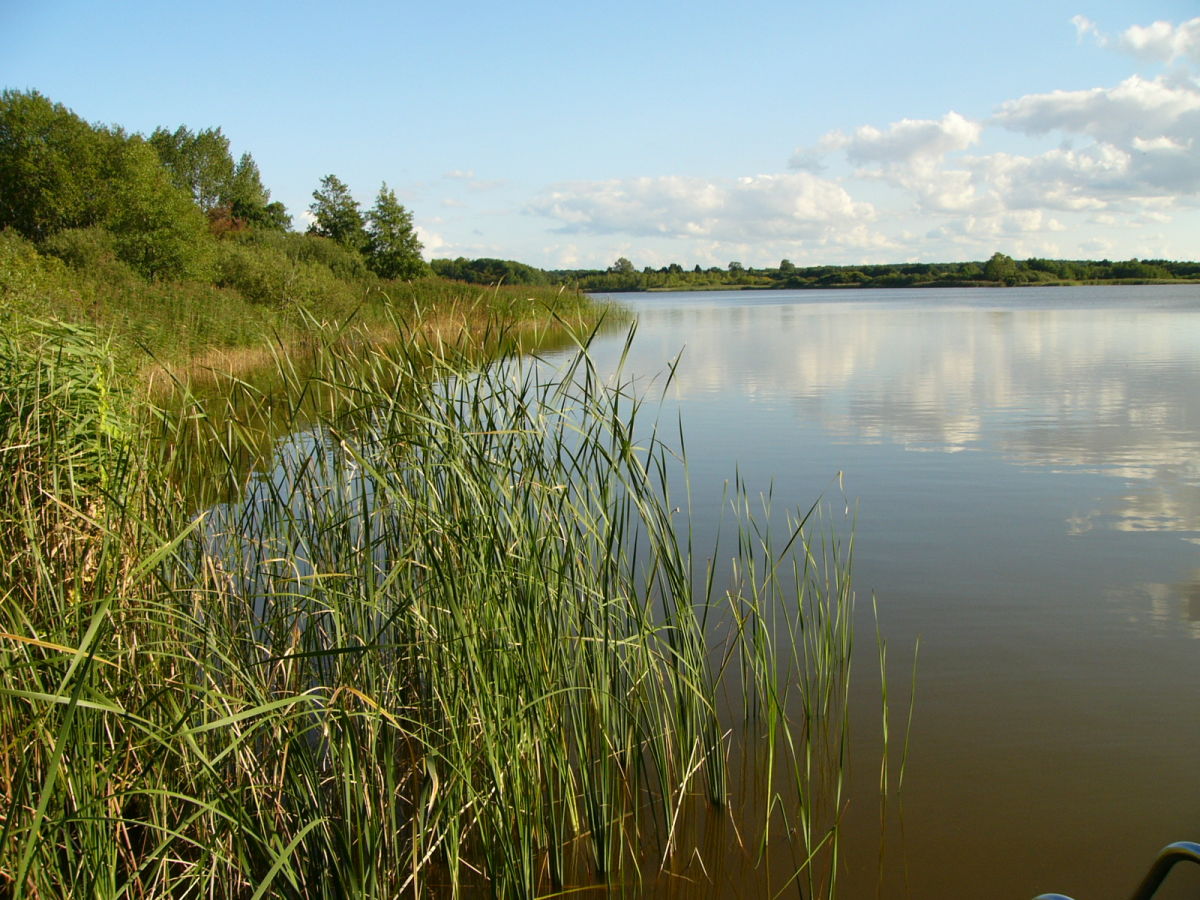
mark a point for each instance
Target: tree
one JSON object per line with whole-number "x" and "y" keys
{"x": 336, "y": 214}
{"x": 621, "y": 267}
{"x": 230, "y": 194}
{"x": 250, "y": 202}
{"x": 1000, "y": 268}
{"x": 57, "y": 172}
{"x": 200, "y": 163}
{"x": 155, "y": 226}
{"x": 393, "y": 249}
{"x": 50, "y": 163}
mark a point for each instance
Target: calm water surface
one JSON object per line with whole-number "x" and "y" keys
{"x": 1025, "y": 464}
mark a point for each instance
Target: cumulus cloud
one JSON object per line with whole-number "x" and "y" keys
{"x": 1163, "y": 41}
{"x": 1137, "y": 107}
{"x": 1160, "y": 41}
{"x": 431, "y": 240}
{"x": 907, "y": 141}
{"x": 795, "y": 205}
{"x": 1127, "y": 156}
{"x": 1146, "y": 135}
{"x": 911, "y": 154}
{"x": 1130, "y": 151}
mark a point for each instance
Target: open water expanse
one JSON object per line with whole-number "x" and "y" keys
{"x": 1025, "y": 467}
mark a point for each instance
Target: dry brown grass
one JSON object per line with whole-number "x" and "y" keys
{"x": 467, "y": 327}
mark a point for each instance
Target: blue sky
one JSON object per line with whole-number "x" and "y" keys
{"x": 565, "y": 134}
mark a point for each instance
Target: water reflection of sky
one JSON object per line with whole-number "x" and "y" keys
{"x": 1026, "y": 469}
{"x": 1099, "y": 386}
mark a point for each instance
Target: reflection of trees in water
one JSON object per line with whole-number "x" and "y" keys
{"x": 1172, "y": 603}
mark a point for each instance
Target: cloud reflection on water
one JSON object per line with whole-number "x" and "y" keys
{"x": 1072, "y": 388}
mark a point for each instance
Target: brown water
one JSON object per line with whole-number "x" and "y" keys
{"x": 1025, "y": 464}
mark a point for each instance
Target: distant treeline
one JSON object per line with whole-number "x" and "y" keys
{"x": 998, "y": 270}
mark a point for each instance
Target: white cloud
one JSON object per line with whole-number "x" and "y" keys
{"x": 1158, "y": 42}
{"x": 795, "y": 205}
{"x": 1085, "y": 26}
{"x": 1098, "y": 246}
{"x": 566, "y": 256}
{"x": 1137, "y": 107}
{"x": 1163, "y": 42}
{"x": 911, "y": 154}
{"x": 432, "y": 241}
{"x": 907, "y": 141}
{"x": 1102, "y": 163}
{"x": 1146, "y": 133}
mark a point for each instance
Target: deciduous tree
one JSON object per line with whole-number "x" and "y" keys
{"x": 1000, "y": 268}
{"x": 393, "y": 249}
{"x": 49, "y": 166}
{"x": 336, "y": 214}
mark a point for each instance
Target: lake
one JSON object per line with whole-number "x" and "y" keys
{"x": 1023, "y": 470}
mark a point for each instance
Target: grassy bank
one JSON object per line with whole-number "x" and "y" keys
{"x": 450, "y": 641}
{"x": 268, "y": 294}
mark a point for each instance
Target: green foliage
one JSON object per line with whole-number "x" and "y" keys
{"x": 489, "y": 271}
{"x": 1000, "y": 268}
{"x": 83, "y": 248}
{"x": 58, "y": 172}
{"x": 269, "y": 275}
{"x": 393, "y": 250}
{"x": 199, "y": 163}
{"x": 1137, "y": 270}
{"x": 250, "y": 202}
{"x": 345, "y": 263}
{"x": 156, "y": 227}
{"x": 336, "y": 214}
{"x": 92, "y": 253}
{"x": 1003, "y": 270}
{"x": 60, "y": 407}
{"x": 230, "y": 194}
{"x": 29, "y": 282}
{"x": 50, "y": 166}
{"x": 449, "y": 645}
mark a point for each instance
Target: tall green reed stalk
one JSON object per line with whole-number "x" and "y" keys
{"x": 449, "y": 642}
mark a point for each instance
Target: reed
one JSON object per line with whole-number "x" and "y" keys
{"x": 450, "y": 639}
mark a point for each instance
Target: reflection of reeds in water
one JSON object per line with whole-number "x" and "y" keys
{"x": 448, "y": 642}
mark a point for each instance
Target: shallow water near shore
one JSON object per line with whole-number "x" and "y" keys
{"x": 1024, "y": 469}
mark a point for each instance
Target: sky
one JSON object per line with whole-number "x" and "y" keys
{"x": 566, "y": 134}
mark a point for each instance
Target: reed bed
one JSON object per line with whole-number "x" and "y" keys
{"x": 452, "y": 640}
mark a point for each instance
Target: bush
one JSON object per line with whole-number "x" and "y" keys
{"x": 342, "y": 262}
{"x": 93, "y": 253}
{"x": 28, "y": 281}
{"x": 264, "y": 274}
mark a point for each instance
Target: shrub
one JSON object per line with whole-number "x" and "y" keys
{"x": 28, "y": 280}
{"x": 267, "y": 275}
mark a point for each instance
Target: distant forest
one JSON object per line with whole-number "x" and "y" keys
{"x": 1000, "y": 269}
